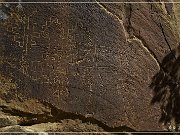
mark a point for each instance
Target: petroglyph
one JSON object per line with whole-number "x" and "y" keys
{"x": 81, "y": 59}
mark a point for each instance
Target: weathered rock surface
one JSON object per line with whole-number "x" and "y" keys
{"x": 6, "y": 120}
{"x": 92, "y": 60}
{"x": 177, "y": 15}
{"x": 64, "y": 126}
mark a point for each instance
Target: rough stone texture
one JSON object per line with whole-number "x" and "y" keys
{"x": 6, "y": 120}
{"x": 64, "y": 126}
{"x": 177, "y": 15}
{"x": 92, "y": 60}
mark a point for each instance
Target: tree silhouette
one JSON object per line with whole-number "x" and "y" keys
{"x": 166, "y": 88}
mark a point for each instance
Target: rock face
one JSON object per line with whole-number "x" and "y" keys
{"x": 92, "y": 60}
{"x": 65, "y": 126}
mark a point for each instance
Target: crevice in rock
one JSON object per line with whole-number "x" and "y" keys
{"x": 162, "y": 68}
{"x": 28, "y": 117}
{"x": 130, "y": 31}
{"x": 129, "y": 26}
{"x": 57, "y": 115}
{"x": 155, "y": 58}
{"x": 114, "y": 16}
{"x": 142, "y": 42}
{"x": 129, "y": 34}
{"x": 167, "y": 40}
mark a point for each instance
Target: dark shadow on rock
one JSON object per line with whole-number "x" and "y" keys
{"x": 166, "y": 88}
